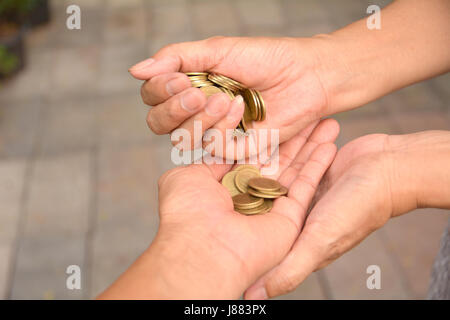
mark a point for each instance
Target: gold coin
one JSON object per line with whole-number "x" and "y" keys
{"x": 204, "y": 74}
{"x": 226, "y": 82}
{"x": 228, "y": 92}
{"x": 243, "y": 176}
{"x": 262, "y": 106}
{"x": 228, "y": 182}
{"x": 210, "y": 90}
{"x": 265, "y": 207}
{"x": 246, "y": 201}
{"x": 251, "y": 102}
{"x": 246, "y": 166}
{"x": 264, "y": 184}
{"x": 267, "y": 194}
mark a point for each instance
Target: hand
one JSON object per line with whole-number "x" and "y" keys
{"x": 372, "y": 179}
{"x": 282, "y": 69}
{"x": 204, "y": 249}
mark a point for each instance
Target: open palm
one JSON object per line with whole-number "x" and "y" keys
{"x": 352, "y": 201}
{"x": 194, "y": 205}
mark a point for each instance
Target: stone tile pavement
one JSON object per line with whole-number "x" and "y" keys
{"x": 78, "y": 166}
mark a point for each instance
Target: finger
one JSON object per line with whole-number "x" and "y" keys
{"x": 305, "y": 255}
{"x": 160, "y": 88}
{"x": 295, "y": 205}
{"x": 187, "y": 56}
{"x": 289, "y": 149}
{"x": 326, "y": 132}
{"x": 166, "y": 116}
{"x": 229, "y": 122}
{"x": 216, "y": 108}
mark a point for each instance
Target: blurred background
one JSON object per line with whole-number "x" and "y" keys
{"x": 78, "y": 166}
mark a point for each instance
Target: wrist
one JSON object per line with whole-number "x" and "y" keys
{"x": 420, "y": 175}
{"x": 196, "y": 268}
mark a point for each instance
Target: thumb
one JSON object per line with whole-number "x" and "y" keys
{"x": 301, "y": 261}
{"x": 192, "y": 56}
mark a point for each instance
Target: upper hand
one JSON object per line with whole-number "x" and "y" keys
{"x": 282, "y": 69}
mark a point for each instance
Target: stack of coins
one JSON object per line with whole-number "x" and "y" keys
{"x": 211, "y": 83}
{"x": 252, "y": 193}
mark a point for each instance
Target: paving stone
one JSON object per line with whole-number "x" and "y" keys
{"x": 115, "y": 248}
{"x": 212, "y": 18}
{"x": 347, "y": 275}
{"x": 114, "y": 78}
{"x": 59, "y": 196}
{"x": 68, "y": 127}
{"x": 414, "y": 240}
{"x": 310, "y": 289}
{"x": 31, "y": 83}
{"x": 420, "y": 121}
{"x": 418, "y": 97}
{"x": 5, "y": 260}
{"x": 123, "y": 120}
{"x": 74, "y": 71}
{"x": 306, "y": 13}
{"x": 125, "y": 25}
{"x": 91, "y": 27}
{"x": 268, "y": 13}
{"x": 127, "y": 185}
{"x": 352, "y": 128}
{"x": 41, "y": 267}
{"x": 18, "y": 128}
{"x": 12, "y": 177}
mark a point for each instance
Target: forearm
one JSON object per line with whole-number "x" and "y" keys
{"x": 357, "y": 65}
{"x": 178, "y": 270}
{"x": 420, "y": 172}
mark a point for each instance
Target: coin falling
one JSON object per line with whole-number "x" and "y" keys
{"x": 212, "y": 83}
{"x": 252, "y": 193}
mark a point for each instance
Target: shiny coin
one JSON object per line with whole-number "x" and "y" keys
{"x": 210, "y": 90}
{"x": 247, "y": 167}
{"x": 226, "y": 82}
{"x": 262, "y": 107}
{"x": 228, "y": 92}
{"x": 228, "y": 182}
{"x": 264, "y": 184}
{"x": 204, "y": 74}
{"x": 251, "y": 102}
{"x": 268, "y": 195}
{"x": 243, "y": 176}
{"x": 246, "y": 201}
{"x": 265, "y": 207}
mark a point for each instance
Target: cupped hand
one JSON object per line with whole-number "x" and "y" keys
{"x": 282, "y": 69}
{"x": 196, "y": 213}
{"x": 354, "y": 199}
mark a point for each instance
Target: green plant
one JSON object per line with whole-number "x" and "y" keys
{"x": 16, "y": 10}
{"x": 8, "y": 61}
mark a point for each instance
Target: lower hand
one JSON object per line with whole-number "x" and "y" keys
{"x": 205, "y": 249}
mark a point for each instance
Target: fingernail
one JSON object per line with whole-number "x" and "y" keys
{"x": 189, "y": 101}
{"x": 142, "y": 64}
{"x": 175, "y": 86}
{"x": 214, "y": 105}
{"x": 258, "y": 294}
{"x": 235, "y": 112}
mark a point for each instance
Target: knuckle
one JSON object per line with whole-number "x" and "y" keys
{"x": 144, "y": 93}
{"x": 282, "y": 284}
{"x": 153, "y": 124}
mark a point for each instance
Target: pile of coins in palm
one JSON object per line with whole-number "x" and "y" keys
{"x": 252, "y": 193}
{"x": 211, "y": 83}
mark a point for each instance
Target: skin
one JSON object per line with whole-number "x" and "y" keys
{"x": 300, "y": 79}
{"x": 205, "y": 250}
